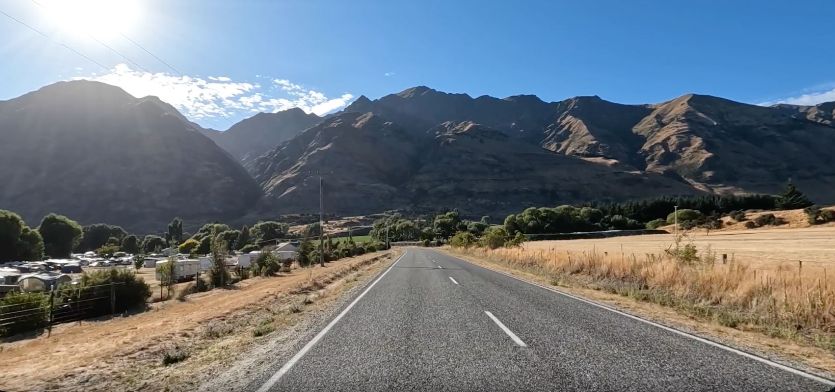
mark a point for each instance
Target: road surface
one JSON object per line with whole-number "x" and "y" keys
{"x": 432, "y": 322}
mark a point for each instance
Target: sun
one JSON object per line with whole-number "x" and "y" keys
{"x": 101, "y": 19}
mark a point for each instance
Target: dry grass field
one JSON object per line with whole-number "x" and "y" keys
{"x": 766, "y": 248}
{"x": 762, "y": 287}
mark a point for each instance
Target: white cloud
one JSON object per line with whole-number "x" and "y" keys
{"x": 387, "y": 74}
{"x": 808, "y": 99}
{"x": 220, "y": 96}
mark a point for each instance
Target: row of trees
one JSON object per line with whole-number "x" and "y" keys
{"x": 56, "y": 236}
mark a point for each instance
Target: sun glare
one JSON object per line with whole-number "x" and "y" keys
{"x": 99, "y": 18}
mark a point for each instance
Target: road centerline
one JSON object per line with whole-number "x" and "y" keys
{"x": 453, "y": 280}
{"x": 506, "y": 330}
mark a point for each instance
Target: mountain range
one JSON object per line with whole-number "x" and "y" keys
{"x": 95, "y": 153}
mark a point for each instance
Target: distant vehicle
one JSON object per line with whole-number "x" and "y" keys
{"x": 71, "y": 269}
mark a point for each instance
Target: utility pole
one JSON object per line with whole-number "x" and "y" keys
{"x": 321, "y": 223}
{"x": 675, "y": 220}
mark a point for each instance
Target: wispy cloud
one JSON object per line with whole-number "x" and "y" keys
{"x": 387, "y": 74}
{"x": 219, "y": 96}
{"x": 807, "y": 99}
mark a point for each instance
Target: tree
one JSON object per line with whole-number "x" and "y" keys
{"x": 152, "y": 243}
{"x": 229, "y": 237}
{"x": 205, "y": 246}
{"x": 97, "y": 235}
{"x": 268, "y": 230}
{"x": 189, "y": 246}
{"x": 791, "y": 199}
{"x": 218, "y": 273}
{"x": 30, "y": 246}
{"x": 60, "y": 235}
{"x": 243, "y": 238}
{"x": 305, "y": 250}
{"x": 463, "y": 239}
{"x": 107, "y": 250}
{"x": 130, "y": 244}
{"x": 175, "y": 230}
{"x": 494, "y": 237}
{"x": 11, "y": 227}
{"x": 445, "y": 225}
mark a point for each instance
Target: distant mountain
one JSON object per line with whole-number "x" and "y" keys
{"x": 489, "y": 154}
{"x": 823, "y": 113}
{"x": 92, "y": 152}
{"x": 249, "y": 138}
{"x": 97, "y": 154}
{"x": 371, "y": 165}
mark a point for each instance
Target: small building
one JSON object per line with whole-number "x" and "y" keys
{"x": 287, "y": 247}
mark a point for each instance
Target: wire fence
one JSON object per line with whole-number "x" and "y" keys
{"x": 68, "y": 303}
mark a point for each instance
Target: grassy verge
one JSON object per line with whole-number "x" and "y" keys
{"x": 784, "y": 303}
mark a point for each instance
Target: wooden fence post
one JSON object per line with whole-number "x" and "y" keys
{"x": 51, "y": 311}
{"x": 112, "y": 299}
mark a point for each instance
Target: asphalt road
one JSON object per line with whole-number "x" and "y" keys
{"x": 436, "y": 323}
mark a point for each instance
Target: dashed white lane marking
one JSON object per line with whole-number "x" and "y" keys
{"x": 506, "y": 330}
{"x": 277, "y": 376}
{"x": 453, "y": 280}
{"x": 757, "y": 358}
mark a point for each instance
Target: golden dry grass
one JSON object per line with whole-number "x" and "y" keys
{"x": 783, "y": 300}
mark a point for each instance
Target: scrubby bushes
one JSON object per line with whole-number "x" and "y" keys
{"x": 189, "y": 246}
{"x": 25, "y": 312}
{"x": 738, "y": 215}
{"x": 266, "y": 264}
{"x": 656, "y": 223}
{"x": 685, "y": 216}
{"x": 463, "y": 239}
{"x": 494, "y": 237}
{"x": 817, "y": 216}
{"x": 130, "y": 291}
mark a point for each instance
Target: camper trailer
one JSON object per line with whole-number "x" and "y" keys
{"x": 183, "y": 269}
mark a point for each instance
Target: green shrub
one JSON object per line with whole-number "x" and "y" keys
{"x": 738, "y": 215}
{"x": 131, "y": 292}
{"x": 266, "y": 264}
{"x": 494, "y": 237}
{"x": 189, "y": 245}
{"x": 107, "y": 250}
{"x": 463, "y": 239}
{"x": 25, "y": 311}
{"x": 684, "y": 216}
{"x": 768, "y": 220}
{"x": 174, "y": 355}
{"x": 656, "y": 223}
{"x": 517, "y": 240}
{"x": 816, "y": 216}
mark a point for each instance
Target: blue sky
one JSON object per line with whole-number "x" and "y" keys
{"x": 238, "y": 57}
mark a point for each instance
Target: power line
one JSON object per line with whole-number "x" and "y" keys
{"x": 56, "y": 42}
{"x": 152, "y": 55}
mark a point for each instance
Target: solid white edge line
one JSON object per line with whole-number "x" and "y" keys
{"x": 766, "y": 361}
{"x": 453, "y": 280}
{"x": 506, "y": 330}
{"x": 287, "y": 366}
